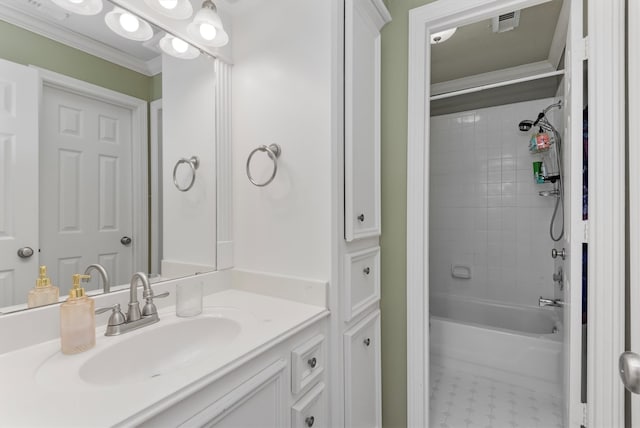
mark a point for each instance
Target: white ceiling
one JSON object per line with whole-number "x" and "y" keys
{"x": 476, "y": 49}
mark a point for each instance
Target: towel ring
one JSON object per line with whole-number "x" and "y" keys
{"x": 194, "y": 163}
{"x": 273, "y": 151}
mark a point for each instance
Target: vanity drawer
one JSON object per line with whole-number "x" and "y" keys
{"x": 310, "y": 410}
{"x": 307, "y": 363}
{"x": 362, "y": 281}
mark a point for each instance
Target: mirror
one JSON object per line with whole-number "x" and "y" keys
{"x": 89, "y": 193}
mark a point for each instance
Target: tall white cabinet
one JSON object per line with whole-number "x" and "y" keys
{"x": 360, "y": 251}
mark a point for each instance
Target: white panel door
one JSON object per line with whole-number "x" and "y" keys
{"x": 18, "y": 180}
{"x": 634, "y": 192}
{"x": 85, "y": 186}
{"x": 575, "y": 226}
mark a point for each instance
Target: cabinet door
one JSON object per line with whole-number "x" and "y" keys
{"x": 260, "y": 402}
{"x": 363, "y": 20}
{"x": 362, "y": 374}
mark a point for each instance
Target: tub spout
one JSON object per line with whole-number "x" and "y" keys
{"x": 558, "y": 303}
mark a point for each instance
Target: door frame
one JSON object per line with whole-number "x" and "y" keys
{"x": 606, "y": 199}
{"x": 139, "y": 151}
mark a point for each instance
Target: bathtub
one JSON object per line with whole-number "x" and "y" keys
{"x": 516, "y": 344}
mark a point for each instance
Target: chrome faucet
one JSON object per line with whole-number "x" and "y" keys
{"x": 558, "y": 303}
{"x": 106, "y": 285}
{"x": 118, "y": 323}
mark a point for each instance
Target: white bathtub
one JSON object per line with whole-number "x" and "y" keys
{"x": 508, "y": 343}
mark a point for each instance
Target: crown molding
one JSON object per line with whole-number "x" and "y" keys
{"x": 78, "y": 41}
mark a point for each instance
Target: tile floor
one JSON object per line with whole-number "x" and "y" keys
{"x": 464, "y": 400}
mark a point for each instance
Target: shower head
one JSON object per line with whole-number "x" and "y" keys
{"x": 525, "y": 125}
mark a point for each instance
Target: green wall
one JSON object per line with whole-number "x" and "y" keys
{"x": 394, "y": 215}
{"x": 24, "y": 47}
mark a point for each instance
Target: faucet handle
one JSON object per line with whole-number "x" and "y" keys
{"x": 150, "y": 308}
{"x": 116, "y": 318}
{"x": 161, "y": 295}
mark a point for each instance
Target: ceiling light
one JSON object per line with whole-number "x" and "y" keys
{"x": 178, "y": 48}
{"x": 442, "y": 36}
{"x": 81, "y": 7}
{"x": 176, "y": 9}
{"x": 128, "y": 25}
{"x": 168, "y": 4}
{"x": 206, "y": 26}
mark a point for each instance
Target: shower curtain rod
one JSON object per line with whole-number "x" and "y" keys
{"x": 497, "y": 85}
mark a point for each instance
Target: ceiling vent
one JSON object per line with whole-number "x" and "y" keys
{"x": 506, "y": 22}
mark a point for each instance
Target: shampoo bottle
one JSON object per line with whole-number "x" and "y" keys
{"x": 43, "y": 293}
{"x": 77, "y": 320}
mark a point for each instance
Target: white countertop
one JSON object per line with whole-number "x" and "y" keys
{"x": 31, "y": 395}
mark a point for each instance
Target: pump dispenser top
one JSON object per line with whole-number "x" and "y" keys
{"x": 77, "y": 320}
{"x": 43, "y": 293}
{"x": 76, "y": 291}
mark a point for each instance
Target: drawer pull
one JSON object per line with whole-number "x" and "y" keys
{"x": 312, "y": 362}
{"x": 366, "y": 270}
{"x": 361, "y": 218}
{"x": 309, "y": 421}
{"x": 367, "y": 342}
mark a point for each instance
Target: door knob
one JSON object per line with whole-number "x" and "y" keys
{"x": 25, "y": 252}
{"x": 125, "y": 240}
{"x": 629, "y": 369}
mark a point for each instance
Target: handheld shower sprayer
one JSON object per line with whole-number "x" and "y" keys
{"x": 558, "y": 191}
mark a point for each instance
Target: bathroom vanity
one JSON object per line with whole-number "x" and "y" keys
{"x": 248, "y": 360}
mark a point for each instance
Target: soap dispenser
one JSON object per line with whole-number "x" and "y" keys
{"x": 43, "y": 293}
{"x": 77, "y": 320}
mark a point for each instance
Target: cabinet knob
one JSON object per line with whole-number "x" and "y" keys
{"x": 309, "y": 421}
{"x": 367, "y": 342}
{"x": 361, "y": 218}
{"x": 312, "y": 362}
{"x": 125, "y": 240}
{"x": 366, "y": 270}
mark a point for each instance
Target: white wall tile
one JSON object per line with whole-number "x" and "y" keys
{"x": 485, "y": 210}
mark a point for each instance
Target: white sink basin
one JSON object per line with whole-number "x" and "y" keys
{"x": 158, "y": 351}
{"x": 147, "y": 353}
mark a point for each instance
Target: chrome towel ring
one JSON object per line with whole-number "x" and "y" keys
{"x": 194, "y": 163}
{"x": 273, "y": 151}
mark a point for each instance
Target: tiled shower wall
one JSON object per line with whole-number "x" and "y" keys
{"x": 485, "y": 211}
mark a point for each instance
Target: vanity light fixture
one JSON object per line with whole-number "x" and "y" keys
{"x": 81, "y": 7}
{"x": 207, "y": 27}
{"x": 176, "y": 9}
{"x": 178, "y": 48}
{"x": 128, "y": 25}
{"x": 442, "y": 36}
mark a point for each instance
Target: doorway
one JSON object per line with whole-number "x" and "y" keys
{"x": 440, "y": 16}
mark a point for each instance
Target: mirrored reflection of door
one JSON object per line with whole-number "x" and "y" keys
{"x": 85, "y": 186}
{"x": 18, "y": 181}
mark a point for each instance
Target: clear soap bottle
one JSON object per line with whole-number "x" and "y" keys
{"x": 77, "y": 320}
{"x": 43, "y": 293}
